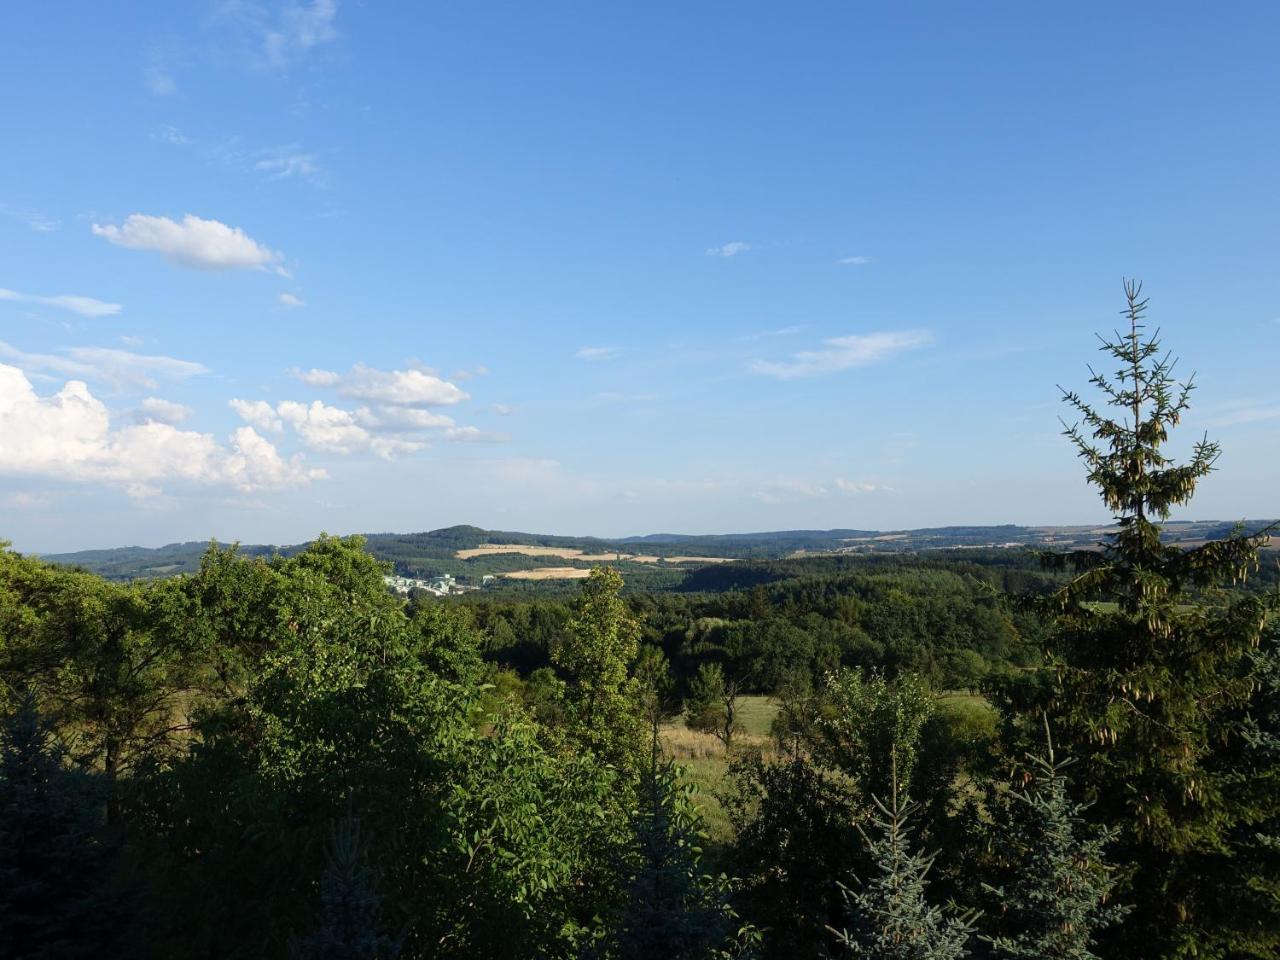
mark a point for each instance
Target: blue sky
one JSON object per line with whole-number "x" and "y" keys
{"x": 272, "y": 268}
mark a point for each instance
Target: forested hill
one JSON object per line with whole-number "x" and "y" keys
{"x": 467, "y": 551}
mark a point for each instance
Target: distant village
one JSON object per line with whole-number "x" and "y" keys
{"x": 442, "y": 586}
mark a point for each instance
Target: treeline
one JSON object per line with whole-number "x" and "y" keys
{"x": 773, "y": 623}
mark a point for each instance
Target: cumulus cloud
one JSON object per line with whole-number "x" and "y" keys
{"x": 730, "y": 249}
{"x": 597, "y": 353}
{"x": 156, "y": 410}
{"x": 844, "y": 353}
{"x": 334, "y": 430}
{"x": 259, "y": 413}
{"x": 318, "y": 378}
{"x": 119, "y": 368}
{"x": 69, "y": 436}
{"x": 289, "y": 300}
{"x": 85, "y": 306}
{"x": 195, "y": 242}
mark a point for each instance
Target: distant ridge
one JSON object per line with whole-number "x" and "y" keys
{"x": 435, "y": 552}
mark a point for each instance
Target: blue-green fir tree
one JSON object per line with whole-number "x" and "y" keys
{"x": 350, "y": 922}
{"x": 889, "y": 916}
{"x": 1058, "y": 895}
{"x": 673, "y": 909}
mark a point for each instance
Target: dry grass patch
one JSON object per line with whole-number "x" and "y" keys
{"x": 550, "y": 573}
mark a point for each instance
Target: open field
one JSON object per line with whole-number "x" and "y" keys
{"x": 489, "y": 549}
{"x": 550, "y": 573}
{"x": 569, "y": 553}
{"x": 705, "y": 763}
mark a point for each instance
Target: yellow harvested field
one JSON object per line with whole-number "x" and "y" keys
{"x": 489, "y": 549}
{"x": 550, "y": 573}
{"x": 644, "y": 558}
{"x": 568, "y": 553}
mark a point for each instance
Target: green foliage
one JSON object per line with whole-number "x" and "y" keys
{"x": 869, "y": 727}
{"x": 794, "y": 841}
{"x": 712, "y": 704}
{"x": 889, "y": 917}
{"x": 601, "y": 641}
{"x": 1056, "y": 899}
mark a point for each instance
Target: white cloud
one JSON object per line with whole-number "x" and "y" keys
{"x": 259, "y": 413}
{"x": 502, "y": 409}
{"x": 85, "y": 306}
{"x": 318, "y": 378}
{"x": 730, "y": 249}
{"x": 69, "y": 436}
{"x": 289, "y": 300}
{"x": 156, "y": 410}
{"x": 597, "y": 353}
{"x": 334, "y": 430}
{"x": 856, "y": 261}
{"x": 405, "y": 388}
{"x": 401, "y": 419}
{"x": 195, "y": 242}
{"x": 119, "y": 368}
{"x": 844, "y": 353}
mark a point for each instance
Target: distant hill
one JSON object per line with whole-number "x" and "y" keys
{"x": 656, "y": 557}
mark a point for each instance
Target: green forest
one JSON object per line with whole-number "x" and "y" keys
{"x": 916, "y": 755}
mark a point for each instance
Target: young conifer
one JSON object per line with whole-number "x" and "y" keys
{"x": 889, "y": 916}
{"x": 1057, "y": 898}
{"x": 350, "y": 915}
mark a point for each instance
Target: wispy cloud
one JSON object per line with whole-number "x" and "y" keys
{"x": 730, "y": 249}
{"x": 36, "y": 221}
{"x": 290, "y": 300}
{"x": 1249, "y": 414}
{"x": 160, "y": 82}
{"x": 844, "y": 353}
{"x": 290, "y": 162}
{"x": 597, "y": 353}
{"x": 856, "y": 261}
{"x": 85, "y": 306}
{"x": 194, "y": 242}
{"x": 767, "y": 334}
{"x": 119, "y": 368}
{"x": 781, "y": 491}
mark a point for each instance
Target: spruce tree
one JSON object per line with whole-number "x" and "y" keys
{"x": 1146, "y": 655}
{"x": 350, "y": 925}
{"x": 1057, "y": 897}
{"x": 673, "y": 909}
{"x": 889, "y": 917}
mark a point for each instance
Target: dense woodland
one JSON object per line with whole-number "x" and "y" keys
{"x": 273, "y": 757}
